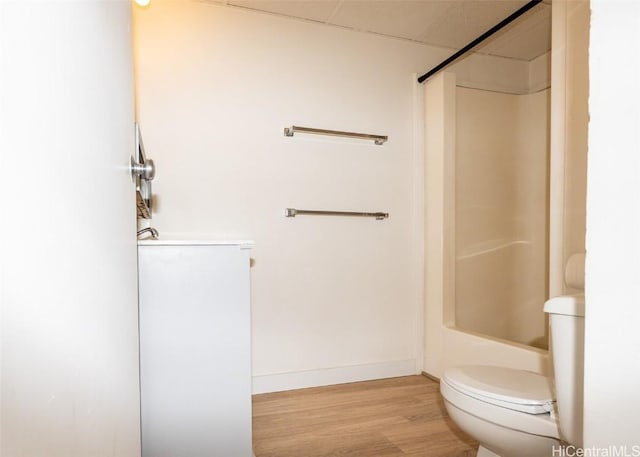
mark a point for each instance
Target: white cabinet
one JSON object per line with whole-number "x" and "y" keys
{"x": 195, "y": 349}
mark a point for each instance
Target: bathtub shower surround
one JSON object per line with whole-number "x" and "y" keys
{"x": 501, "y": 214}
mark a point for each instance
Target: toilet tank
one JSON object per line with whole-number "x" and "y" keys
{"x": 566, "y": 319}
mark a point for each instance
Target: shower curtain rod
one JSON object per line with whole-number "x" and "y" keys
{"x": 479, "y": 40}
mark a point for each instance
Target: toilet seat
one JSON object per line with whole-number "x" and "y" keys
{"x": 503, "y": 396}
{"x": 519, "y": 390}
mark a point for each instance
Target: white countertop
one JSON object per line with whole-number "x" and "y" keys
{"x": 246, "y": 244}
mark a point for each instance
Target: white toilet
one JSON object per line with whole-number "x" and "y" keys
{"x": 514, "y": 413}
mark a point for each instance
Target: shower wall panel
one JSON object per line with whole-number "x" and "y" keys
{"x": 501, "y": 214}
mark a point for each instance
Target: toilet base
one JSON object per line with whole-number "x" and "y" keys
{"x": 484, "y": 452}
{"x": 507, "y": 442}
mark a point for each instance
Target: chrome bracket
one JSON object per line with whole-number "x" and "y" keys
{"x": 143, "y": 171}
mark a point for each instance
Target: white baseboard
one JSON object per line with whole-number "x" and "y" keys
{"x": 329, "y": 376}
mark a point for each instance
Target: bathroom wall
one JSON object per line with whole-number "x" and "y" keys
{"x": 333, "y": 299}
{"x": 612, "y": 371}
{"x": 501, "y": 173}
{"x": 68, "y": 294}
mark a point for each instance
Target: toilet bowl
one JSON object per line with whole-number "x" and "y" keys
{"x": 513, "y": 413}
{"x": 510, "y": 412}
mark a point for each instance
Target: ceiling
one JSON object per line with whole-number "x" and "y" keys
{"x": 446, "y": 23}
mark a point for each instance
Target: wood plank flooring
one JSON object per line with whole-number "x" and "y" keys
{"x": 385, "y": 418}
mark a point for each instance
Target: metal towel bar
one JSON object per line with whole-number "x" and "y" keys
{"x": 377, "y": 139}
{"x": 292, "y": 212}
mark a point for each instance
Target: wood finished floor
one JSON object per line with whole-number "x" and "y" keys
{"x": 385, "y": 418}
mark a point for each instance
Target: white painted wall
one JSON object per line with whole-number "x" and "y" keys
{"x": 612, "y": 371}
{"x": 68, "y": 295}
{"x": 334, "y": 299}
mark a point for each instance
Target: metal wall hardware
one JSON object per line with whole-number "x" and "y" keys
{"x": 143, "y": 171}
{"x": 153, "y": 232}
{"x": 377, "y": 139}
{"x": 292, "y": 212}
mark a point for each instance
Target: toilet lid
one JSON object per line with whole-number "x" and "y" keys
{"x": 514, "y": 389}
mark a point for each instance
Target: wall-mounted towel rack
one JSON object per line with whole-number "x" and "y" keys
{"x": 377, "y": 139}
{"x": 292, "y": 212}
